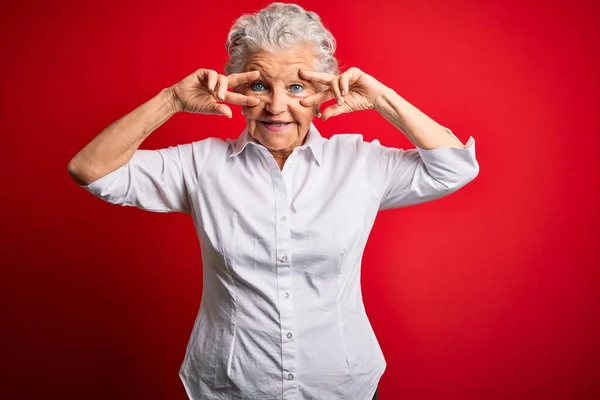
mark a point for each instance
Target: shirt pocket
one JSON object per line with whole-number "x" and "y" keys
{"x": 317, "y": 273}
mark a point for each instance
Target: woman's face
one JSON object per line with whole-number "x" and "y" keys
{"x": 280, "y": 90}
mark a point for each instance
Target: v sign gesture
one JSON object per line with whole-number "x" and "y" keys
{"x": 354, "y": 90}
{"x": 203, "y": 91}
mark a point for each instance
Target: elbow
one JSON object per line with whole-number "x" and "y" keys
{"x": 77, "y": 173}
{"x": 464, "y": 179}
{"x": 454, "y": 182}
{"x": 472, "y": 173}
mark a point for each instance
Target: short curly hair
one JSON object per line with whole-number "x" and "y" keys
{"x": 277, "y": 27}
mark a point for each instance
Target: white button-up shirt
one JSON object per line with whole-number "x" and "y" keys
{"x": 281, "y": 315}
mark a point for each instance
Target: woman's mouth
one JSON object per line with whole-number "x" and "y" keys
{"x": 275, "y": 126}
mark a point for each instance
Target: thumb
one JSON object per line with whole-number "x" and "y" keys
{"x": 221, "y": 109}
{"x": 333, "y": 111}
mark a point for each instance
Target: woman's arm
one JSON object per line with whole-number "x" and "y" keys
{"x": 199, "y": 92}
{"x": 356, "y": 90}
{"x": 116, "y": 144}
{"x": 421, "y": 130}
{"x": 440, "y": 164}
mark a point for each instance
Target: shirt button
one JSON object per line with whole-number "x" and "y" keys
{"x": 286, "y": 295}
{"x": 284, "y": 259}
{"x": 283, "y": 218}
{"x": 289, "y": 335}
{"x": 290, "y": 377}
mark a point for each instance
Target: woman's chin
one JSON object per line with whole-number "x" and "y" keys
{"x": 276, "y": 140}
{"x": 276, "y": 143}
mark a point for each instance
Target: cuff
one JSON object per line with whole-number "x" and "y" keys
{"x": 451, "y": 162}
{"x": 100, "y": 184}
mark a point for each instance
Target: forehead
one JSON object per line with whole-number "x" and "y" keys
{"x": 283, "y": 64}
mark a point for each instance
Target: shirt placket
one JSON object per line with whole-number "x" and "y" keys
{"x": 284, "y": 283}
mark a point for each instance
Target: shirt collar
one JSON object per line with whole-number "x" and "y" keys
{"x": 314, "y": 142}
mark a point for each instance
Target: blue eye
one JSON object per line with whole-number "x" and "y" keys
{"x": 298, "y": 86}
{"x": 257, "y": 86}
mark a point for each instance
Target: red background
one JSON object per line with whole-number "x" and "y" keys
{"x": 490, "y": 293}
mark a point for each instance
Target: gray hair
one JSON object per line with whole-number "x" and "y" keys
{"x": 278, "y": 27}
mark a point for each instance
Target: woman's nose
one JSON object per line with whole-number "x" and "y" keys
{"x": 278, "y": 102}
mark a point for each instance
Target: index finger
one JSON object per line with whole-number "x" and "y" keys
{"x": 320, "y": 77}
{"x": 244, "y": 77}
{"x": 240, "y": 99}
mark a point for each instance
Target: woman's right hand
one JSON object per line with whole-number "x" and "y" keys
{"x": 202, "y": 91}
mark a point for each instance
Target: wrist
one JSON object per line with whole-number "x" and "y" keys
{"x": 174, "y": 103}
{"x": 384, "y": 97}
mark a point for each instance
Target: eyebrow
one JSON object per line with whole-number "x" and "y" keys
{"x": 297, "y": 79}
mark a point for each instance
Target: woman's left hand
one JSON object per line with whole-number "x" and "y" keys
{"x": 354, "y": 90}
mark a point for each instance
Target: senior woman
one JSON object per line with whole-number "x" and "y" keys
{"x": 282, "y": 214}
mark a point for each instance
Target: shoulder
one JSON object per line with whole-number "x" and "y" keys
{"x": 354, "y": 142}
{"x": 346, "y": 141}
{"x": 206, "y": 145}
{"x": 203, "y": 153}
{"x": 352, "y": 139}
{"x": 345, "y": 138}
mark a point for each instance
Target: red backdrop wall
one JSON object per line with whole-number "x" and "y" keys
{"x": 490, "y": 293}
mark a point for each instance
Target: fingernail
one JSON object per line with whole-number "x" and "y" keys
{"x": 339, "y": 102}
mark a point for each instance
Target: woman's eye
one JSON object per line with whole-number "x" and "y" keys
{"x": 257, "y": 86}
{"x": 296, "y": 88}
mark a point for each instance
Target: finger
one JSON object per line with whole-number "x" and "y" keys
{"x": 354, "y": 74}
{"x": 318, "y": 98}
{"x": 337, "y": 93}
{"x": 344, "y": 79}
{"x": 221, "y": 88}
{"x": 241, "y": 100}
{"x": 221, "y": 109}
{"x": 333, "y": 111}
{"x": 321, "y": 77}
{"x": 211, "y": 80}
{"x": 238, "y": 79}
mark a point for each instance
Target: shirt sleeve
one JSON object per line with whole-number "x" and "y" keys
{"x": 153, "y": 180}
{"x": 400, "y": 178}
